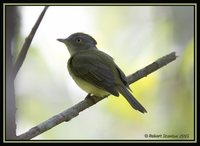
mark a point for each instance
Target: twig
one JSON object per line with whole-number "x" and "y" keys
{"x": 27, "y": 43}
{"x": 152, "y": 67}
{"x": 91, "y": 100}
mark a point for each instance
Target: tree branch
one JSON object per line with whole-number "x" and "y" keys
{"x": 152, "y": 67}
{"x": 91, "y": 100}
{"x": 27, "y": 43}
{"x": 12, "y": 17}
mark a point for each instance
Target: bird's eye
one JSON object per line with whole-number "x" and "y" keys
{"x": 78, "y": 40}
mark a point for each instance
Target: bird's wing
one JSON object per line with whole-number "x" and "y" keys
{"x": 123, "y": 77}
{"x": 94, "y": 70}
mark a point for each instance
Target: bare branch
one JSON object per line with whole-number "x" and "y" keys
{"x": 11, "y": 17}
{"x": 152, "y": 67}
{"x": 27, "y": 43}
{"x": 91, "y": 100}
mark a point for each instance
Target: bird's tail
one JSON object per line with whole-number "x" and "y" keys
{"x": 131, "y": 99}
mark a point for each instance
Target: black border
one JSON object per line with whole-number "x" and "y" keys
{"x": 117, "y": 140}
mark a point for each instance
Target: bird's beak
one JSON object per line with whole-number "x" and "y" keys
{"x": 61, "y": 40}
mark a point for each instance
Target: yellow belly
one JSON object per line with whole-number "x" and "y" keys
{"x": 89, "y": 88}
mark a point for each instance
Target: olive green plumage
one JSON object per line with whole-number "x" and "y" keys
{"x": 94, "y": 71}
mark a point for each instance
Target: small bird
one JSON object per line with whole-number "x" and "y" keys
{"x": 95, "y": 71}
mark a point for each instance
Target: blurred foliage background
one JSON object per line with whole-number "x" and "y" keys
{"x": 134, "y": 36}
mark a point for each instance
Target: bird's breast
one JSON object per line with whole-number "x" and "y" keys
{"x": 86, "y": 86}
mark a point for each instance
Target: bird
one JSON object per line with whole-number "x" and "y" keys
{"x": 95, "y": 71}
